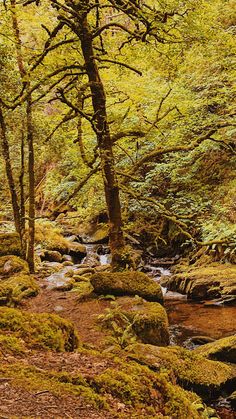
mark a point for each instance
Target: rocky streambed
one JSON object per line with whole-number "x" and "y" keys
{"x": 113, "y": 315}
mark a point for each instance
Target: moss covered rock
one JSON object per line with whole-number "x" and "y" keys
{"x": 201, "y": 282}
{"x": 222, "y": 349}
{"x": 127, "y": 283}
{"x": 151, "y": 394}
{"x": 205, "y": 377}
{"x": 11, "y": 345}
{"x": 10, "y": 265}
{"x": 149, "y": 320}
{"x": 10, "y": 244}
{"x": 39, "y": 330}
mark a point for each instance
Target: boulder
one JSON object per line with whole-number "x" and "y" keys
{"x": 10, "y": 265}
{"x": 127, "y": 283}
{"x": 15, "y": 281}
{"x": 10, "y": 244}
{"x": 221, "y": 350}
{"x": 39, "y": 330}
{"x": 149, "y": 320}
{"x": 205, "y": 283}
{"x": 192, "y": 371}
{"x": 77, "y": 250}
{"x": 52, "y": 256}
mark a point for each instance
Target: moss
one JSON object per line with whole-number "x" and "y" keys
{"x": 10, "y": 244}
{"x": 39, "y": 330}
{"x": 192, "y": 371}
{"x": 10, "y": 265}
{"x": 200, "y": 282}
{"x": 23, "y": 286}
{"x": 150, "y": 393}
{"x": 33, "y": 379}
{"x": 11, "y": 345}
{"x": 49, "y": 236}
{"x": 149, "y": 321}
{"x": 222, "y": 349}
{"x": 127, "y": 283}
{"x": 83, "y": 289}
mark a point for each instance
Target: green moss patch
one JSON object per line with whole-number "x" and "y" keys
{"x": 11, "y": 345}
{"x": 200, "y": 282}
{"x": 39, "y": 330}
{"x": 10, "y": 244}
{"x": 192, "y": 371}
{"x": 222, "y": 349}
{"x": 127, "y": 283}
{"x": 10, "y": 265}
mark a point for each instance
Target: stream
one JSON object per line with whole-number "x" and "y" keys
{"x": 189, "y": 321}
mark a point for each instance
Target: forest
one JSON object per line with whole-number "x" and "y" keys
{"x": 118, "y": 209}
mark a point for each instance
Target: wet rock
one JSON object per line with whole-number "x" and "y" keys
{"x": 77, "y": 251}
{"x": 68, "y": 263}
{"x": 66, "y": 258}
{"x": 84, "y": 271}
{"x": 221, "y": 350}
{"x": 127, "y": 283}
{"x": 201, "y": 340}
{"x": 10, "y": 244}
{"x": 193, "y": 372}
{"x": 52, "y": 256}
{"x": 232, "y": 400}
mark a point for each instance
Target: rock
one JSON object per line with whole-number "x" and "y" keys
{"x": 200, "y": 340}
{"x": 205, "y": 283}
{"x": 99, "y": 236}
{"x": 39, "y": 330}
{"x": 10, "y": 265}
{"x": 193, "y": 372}
{"x": 127, "y": 283}
{"x": 232, "y": 400}
{"x": 68, "y": 263}
{"x": 77, "y": 250}
{"x": 66, "y": 258}
{"x": 52, "y": 256}
{"x": 84, "y": 271}
{"x": 221, "y": 350}
{"x": 10, "y": 244}
{"x": 149, "y": 320}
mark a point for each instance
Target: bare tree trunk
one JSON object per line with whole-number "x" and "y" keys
{"x": 22, "y": 194}
{"x": 9, "y": 173}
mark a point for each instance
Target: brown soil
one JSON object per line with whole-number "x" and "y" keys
{"x": 67, "y": 304}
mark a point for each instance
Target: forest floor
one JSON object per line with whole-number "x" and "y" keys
{"x": 19, "y": 402}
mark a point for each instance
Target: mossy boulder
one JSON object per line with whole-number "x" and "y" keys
{"x": 149, "y": 320}
{"x": 221, "y": 350}
{"x": 16, "y": 288}
{"x": 192, "y": 371}
{"x": 151, "y": 394}
{"x": 205, "y": 283}
{"x": 10, "y": 244}
{"x": 39, "y": 330}
{"x": 10, "y": 265}
{"x": 10, "y": 344}
{"x": 127, "y": 283}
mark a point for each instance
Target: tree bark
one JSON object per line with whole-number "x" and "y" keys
{"x": 9, "y": 173}
{"x": 101, "y": 128}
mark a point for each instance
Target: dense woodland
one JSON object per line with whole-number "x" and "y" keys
{"x": 117, "y": 129}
